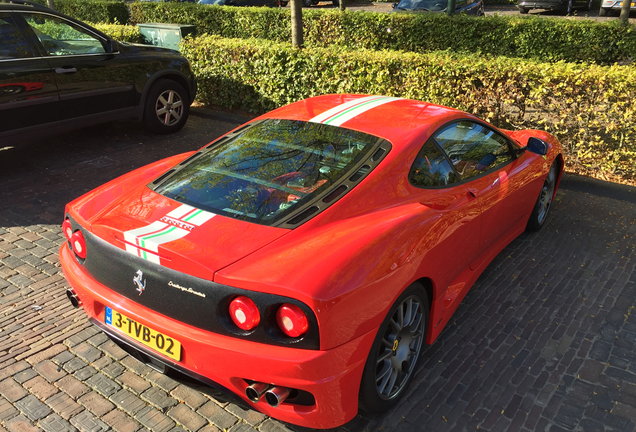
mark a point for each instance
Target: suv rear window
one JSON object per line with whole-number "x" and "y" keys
{"x": 269, "y": 170}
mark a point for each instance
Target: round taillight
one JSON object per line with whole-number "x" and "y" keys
{"x": 244, "y": 313}
{"x": 78, "y": 243}
{"x": 292, "y": 320}
{"x": 67, "y": 229}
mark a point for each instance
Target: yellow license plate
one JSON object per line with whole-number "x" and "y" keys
{"x": 631, "y": 5}
{"x": 145, "y": 335}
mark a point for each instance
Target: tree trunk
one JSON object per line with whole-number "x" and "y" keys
{"x": 450, "y": 8}
{"x": 50, "y": 4}
{"x": 343, "y": 6}
{"x": 624, "y": 17}
{"x": 297, "y": 23}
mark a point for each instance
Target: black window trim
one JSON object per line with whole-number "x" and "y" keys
{"x": 431, "y": 139}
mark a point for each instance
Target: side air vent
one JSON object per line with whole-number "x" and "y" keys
{"x": 215, "y": 143}
{"x": 335, "y": 194}
{"x": 364, "y": 170}
{"x": 304, "y": 215}
{"x": 378, "y": 154}
{"x": 187, "y": 161}
{"x": 160, "y": 179}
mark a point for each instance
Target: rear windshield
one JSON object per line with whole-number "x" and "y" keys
{"x": 269, "y": 170}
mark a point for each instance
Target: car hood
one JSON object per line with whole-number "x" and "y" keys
{"x": 129, "y": 47}
{"x": 178, "y": 236}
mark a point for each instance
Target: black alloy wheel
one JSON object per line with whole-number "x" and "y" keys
{"x": 395, "y": 352}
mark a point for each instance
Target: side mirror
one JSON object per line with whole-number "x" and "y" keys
{"x": 538, "y": 146}
{"x": 111, "y": 46}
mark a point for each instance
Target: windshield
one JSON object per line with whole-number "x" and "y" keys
{"x": 431, "y": 5}
{"x": 269, "y": 170}
{"x": 212, "y": 2}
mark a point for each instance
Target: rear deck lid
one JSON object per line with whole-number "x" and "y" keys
{"x": 179, "y": 236}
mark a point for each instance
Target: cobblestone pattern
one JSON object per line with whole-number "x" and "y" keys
{"x": 543, "y": 342}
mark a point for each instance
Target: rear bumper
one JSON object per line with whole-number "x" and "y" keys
{"x": 332, "y": 377}
{"x": 550, "y": 5}
{"x": 616, "y": 5}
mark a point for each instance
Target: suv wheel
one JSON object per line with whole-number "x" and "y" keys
{"x": 167, "y": 107}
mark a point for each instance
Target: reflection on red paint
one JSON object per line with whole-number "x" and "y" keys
{"x": 503, "y": 185}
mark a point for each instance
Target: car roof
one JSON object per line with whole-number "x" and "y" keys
{"x": 395, "y": 119}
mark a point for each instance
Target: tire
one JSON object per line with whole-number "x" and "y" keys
{"x": 395, "y": 352}
{"x": 544, "y": 201}
{"x": 523, "y": 10}
{"x": 283, "y": 3}
{"x": 602, "y": 12}
{"x": 335, "y": 3}
{"x": 589, "y": 5}
{"x": 569, "y": 8}
{"x": 314, "y": 2}
{"x": 167, "y": 107}
{"x": 307, "y": 3}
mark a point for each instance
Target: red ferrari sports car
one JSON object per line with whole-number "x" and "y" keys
{"x": 302, "y": 260}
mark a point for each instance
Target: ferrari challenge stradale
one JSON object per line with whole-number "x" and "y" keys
{"x": 302, "y": 260}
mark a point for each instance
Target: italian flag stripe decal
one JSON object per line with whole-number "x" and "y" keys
{"x": 144, "y": 242}
{"x": 340, "y": 114}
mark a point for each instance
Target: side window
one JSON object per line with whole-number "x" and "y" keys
{"x": 473, "y": 148}
{"x": 60, "y": 38}
{"x": 431, "y": 168}
{"x": 12, "y": 43}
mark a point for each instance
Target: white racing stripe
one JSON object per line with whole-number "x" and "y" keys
{"x": 342, "y": 113}
{"x": 144, "y": 242}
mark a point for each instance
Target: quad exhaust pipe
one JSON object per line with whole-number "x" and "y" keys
{"x": 274, "y": 395}
{"x": 255, "y": 391}
{"x": 75, "y": 301}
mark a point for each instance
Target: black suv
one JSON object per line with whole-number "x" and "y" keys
{"x": 57, "y": 73}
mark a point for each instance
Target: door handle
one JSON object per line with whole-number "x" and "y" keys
{"x": 65, "y": 70}
{"x": 474, "y": 193}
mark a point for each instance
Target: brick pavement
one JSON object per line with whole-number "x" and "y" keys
{"x": 544, "y": 341}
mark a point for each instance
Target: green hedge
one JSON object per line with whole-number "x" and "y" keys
{"x": 591, "y": 109}
{"x": 523, "y": 37}
{"x": 120, "y": 32}
{"x": 102, "y": 11}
